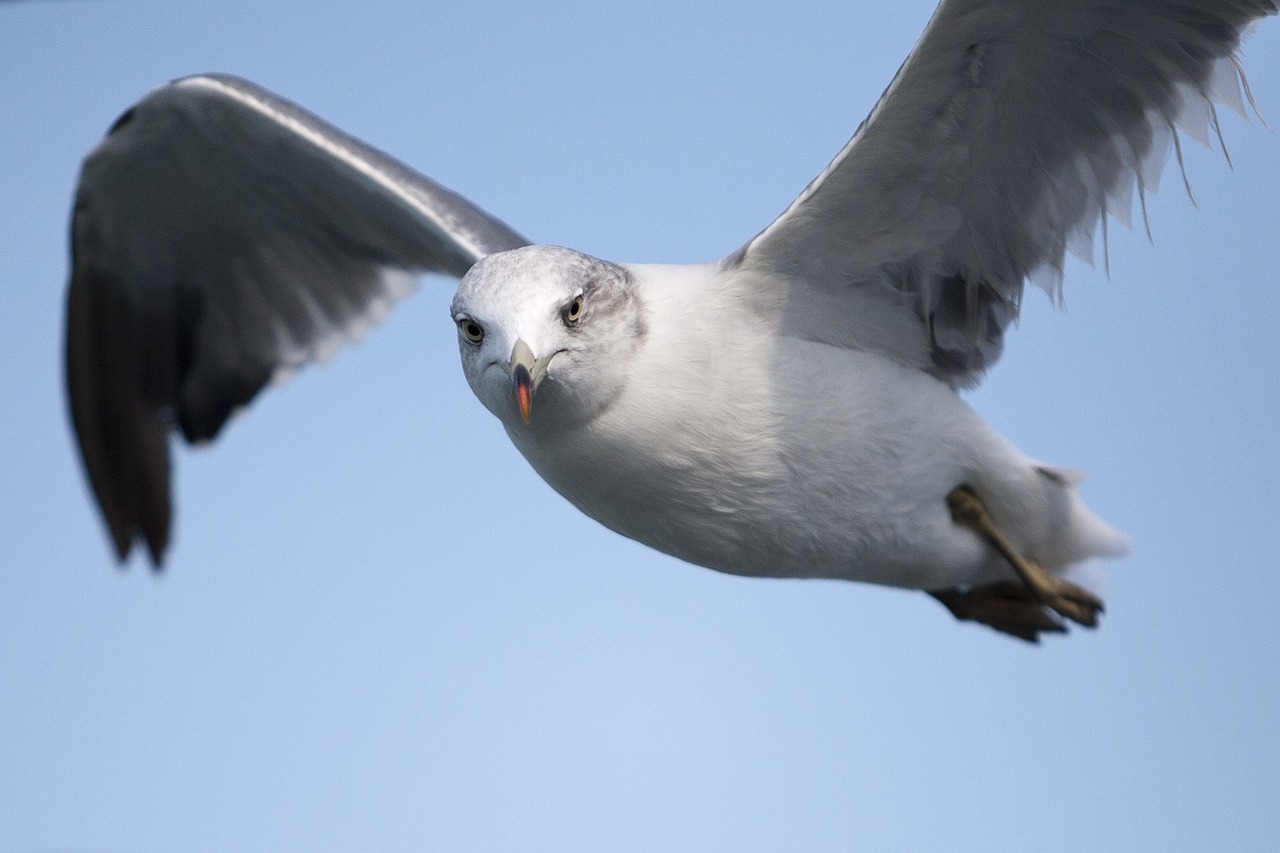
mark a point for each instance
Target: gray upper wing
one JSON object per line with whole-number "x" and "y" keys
{"x": 1012, "y": 128}
{"x": 221, "y": 237}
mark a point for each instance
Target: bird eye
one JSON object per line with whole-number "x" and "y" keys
{"x": 574, "y": 311}
{"x": 470, "y": 329}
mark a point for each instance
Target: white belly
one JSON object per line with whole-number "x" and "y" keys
{"x": 827, "y": 463}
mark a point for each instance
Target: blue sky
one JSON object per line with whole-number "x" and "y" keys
{"x": 380, "y": 630}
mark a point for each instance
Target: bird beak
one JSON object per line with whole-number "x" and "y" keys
{"x": 527, "y": 373}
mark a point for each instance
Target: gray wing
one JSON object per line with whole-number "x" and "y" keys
{"x": 1009, "y": 132}
{"x": 222, "y": 237}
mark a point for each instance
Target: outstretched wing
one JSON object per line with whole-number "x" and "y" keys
{"x": 222, "y": 237}
{"x": 1012, "y": 128}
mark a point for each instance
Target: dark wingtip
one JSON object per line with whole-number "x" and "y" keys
{"x": 122, "y": 435}
{"x": 157, "y": 544}
{"x": 123, "y": 541}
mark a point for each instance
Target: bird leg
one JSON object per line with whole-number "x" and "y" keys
{"x": 1008, "y": 607}
{"x": 1016, "y": 609}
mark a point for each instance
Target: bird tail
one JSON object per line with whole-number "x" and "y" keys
{"x": 1082, "y": 535}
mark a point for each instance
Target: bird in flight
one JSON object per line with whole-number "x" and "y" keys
{"x": 789, "y": 411}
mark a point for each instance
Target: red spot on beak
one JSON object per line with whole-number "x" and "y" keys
{"x": 525, "y": 399}
{"x": 523, "y": 383}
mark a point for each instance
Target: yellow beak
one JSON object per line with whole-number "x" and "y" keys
{"x": 527, "y": 372}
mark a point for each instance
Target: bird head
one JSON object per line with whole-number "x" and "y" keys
{"x": 546, "y": 335}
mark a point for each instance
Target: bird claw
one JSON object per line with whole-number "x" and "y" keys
{"x": 1006, "y": 607}
{"x": 1020, "y": 609}
{"x": 1071, "y": 601}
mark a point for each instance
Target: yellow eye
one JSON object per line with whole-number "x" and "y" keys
{"x": 574, "y": 312}
{"x": 470, "y": 329}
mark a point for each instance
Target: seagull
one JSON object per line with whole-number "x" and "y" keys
{"x": 792, "y": 410}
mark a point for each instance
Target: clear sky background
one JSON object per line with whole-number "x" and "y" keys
{"x": 379, "y": 629}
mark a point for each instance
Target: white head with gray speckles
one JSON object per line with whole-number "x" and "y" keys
{"x": 548, "y": 322}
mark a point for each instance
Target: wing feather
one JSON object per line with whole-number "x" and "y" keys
{"x": 1011, "y": 130}
{"x": 223, "y": 237}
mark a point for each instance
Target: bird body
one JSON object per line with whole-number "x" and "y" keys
{"x": 748, "y": 452}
